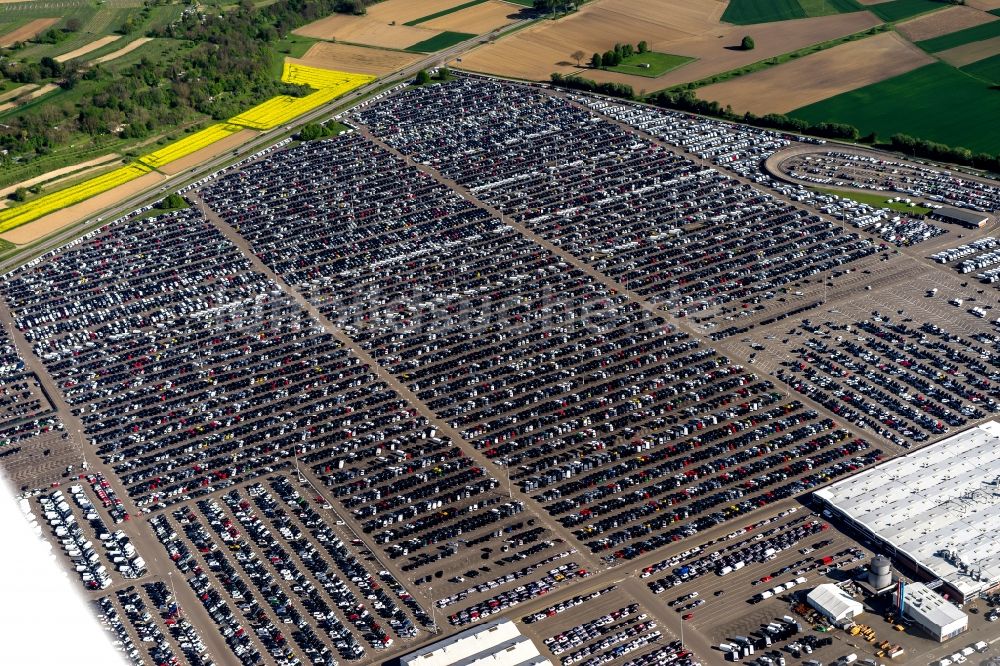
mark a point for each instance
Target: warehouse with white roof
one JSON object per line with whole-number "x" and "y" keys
{"x": 929, "y": 611}
{"x": 835, "y": 604}
{"x": 497, "y": 643}
{"x": 936, "y": 510}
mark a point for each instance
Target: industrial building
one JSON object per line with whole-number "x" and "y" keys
{"x": 497, "y": 643}
{"x": 936, "y": 511}
{"x": 929, "y": 611}
{"x": 834, "y": 603}
{"x": 967, "y": 218}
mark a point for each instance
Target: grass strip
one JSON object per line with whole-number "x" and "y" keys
{"x": 444, "y": 12}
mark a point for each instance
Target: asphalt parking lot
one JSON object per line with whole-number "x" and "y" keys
{"x": 370, "y": 390}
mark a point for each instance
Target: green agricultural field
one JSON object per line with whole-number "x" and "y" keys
{"x": 935, "y": 102}
{"x": 523, "y": 3}
{"x": 438, "y": 42}
{"x": 897, "y": 10}
{"x": 291, "y": 45}
{"x": 452, "y": 10}
{"x": 659, "y": 63}
{"x": 877, "y": 200}
{"x": 828, "y": 7}
{"x": 967, "y": 36}
{"x": 987, "y": 69}
{"x": 745, "y": 12}
{"x": 56, "y": 95}
{"x": 96, "y": 24}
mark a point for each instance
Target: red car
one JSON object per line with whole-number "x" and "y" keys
{"x": 687, "y": 616}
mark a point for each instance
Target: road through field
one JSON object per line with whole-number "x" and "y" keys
{"x": 264, "y": 140}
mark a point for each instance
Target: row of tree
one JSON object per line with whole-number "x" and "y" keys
{"x": 576, "y": 82}
{"x": 614, "y": 57}
{"x": 557, "y": 6}
{"x": 222, "y": 68}
{"x": 686, "y": 100}
{"x": 940, "y": 152}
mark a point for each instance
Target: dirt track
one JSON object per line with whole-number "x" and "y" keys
{"x": 131, "y": 46}
{"x": 208, "y": 152}
{"x": 476, "y": 20}
{"x": 376, "y": 27}
{"x": 56, "y": 173}
{"x": 818, "y": 76}
{"x": 37, "y": 92}
{"x": 17, "y": 92}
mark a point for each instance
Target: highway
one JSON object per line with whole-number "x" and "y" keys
{"x": 269, "y": 138}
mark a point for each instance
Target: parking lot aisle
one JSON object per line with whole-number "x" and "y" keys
{"x": 309, "y": 535}
{"x": 143, "y": 539}
{"x": 130, "y": 628}
{"x": 532, "y": 507}
{"x": 669, "y": 621}
{"x": 565, "y": 256}
{"x": 180, "y": 580}
{"x": 175, "y": 646}
{"x": 346, "y": 530}
{"x": 284, "y": 584}
{"x": 32, "y": 364}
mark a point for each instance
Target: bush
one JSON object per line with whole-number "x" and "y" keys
{"x": 312, "y": 131}
{"x": 422, "y": 77}
{"x": 20, "y": 194}
{"x": 747, "y": 43}
{"x": 596, "y": 61}
{"x": 642, "y": 47}
{"x": 172, "y": 202}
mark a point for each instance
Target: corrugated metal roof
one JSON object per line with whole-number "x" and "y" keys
{"x": 944, "y": 497}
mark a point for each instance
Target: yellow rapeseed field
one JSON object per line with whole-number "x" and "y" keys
{"x": 18, "y": 215}
{"x": 189, "y": 144}
{"x": 276, "y": 111}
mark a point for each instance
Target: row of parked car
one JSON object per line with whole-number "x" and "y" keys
{"x": 24, "y": 416}
{"x": 586, "y": 631}
{"x": 348, "y": 566}
{"x": 236, "y": 635}
{"x": 78, "y": 547}
{"x": 146, "y": 627}
{"x": 756, "y": 549}
{"x": 188, "y": 639}
{"x": 112, "y": 621}
{"x": 118, "y": 546}
{"x": 898, "y": 377}
{"x": 229, "y": 378}
{"x": 562, "y": 574}
{"x": 878, "y": 173}
{"x": 331, "y": 283}
{"x": 576, "y": 184}
{"x": 568, "y": 604}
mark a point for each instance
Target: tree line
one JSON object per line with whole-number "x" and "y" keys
{"x": 221, "y": 65}
{"x": 614, "y": 57}
{"x": 686, "y": 100}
